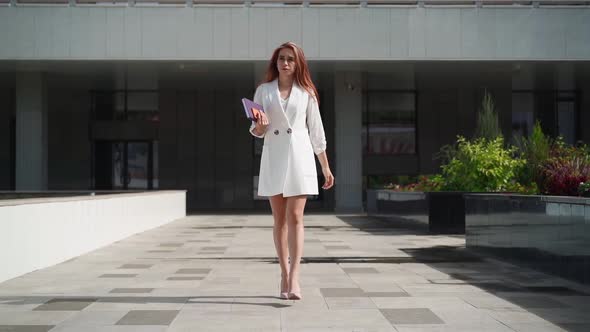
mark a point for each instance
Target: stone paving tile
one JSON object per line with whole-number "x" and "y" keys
{"x": 188, "y": 319}
{"x": 111, "y": 328}
{"x": 148, "y": 317}
{"x": 556, "y": 290}
{"x": 351, "y": 319}
{"x": 86, "y": 318}
{"x": 135, "y": 266}
{"x": 342, "y": 292}
{"x": 185, "y": 278}
{"x": 576, "y": 327}
{"x": 132, "y": 290}
{"x": 214, "y": 248}
{"x": 114, "y": 275}
{"x": 387, "y": 294}
{"x": 360, "y": 270}
{"x": 65, "y": 305}
{"x": 193, "y": 271}
{"x": 173, "y": 245}
{"x": 497, "y": 327}
{"x": 336, "y": 303}
{"x": 536, "y": 302}
{"x": 25, "y": 328}
{"x": 34, "y": 317}
{"x": 539, "y": 327}
{"x": 411, "y": 316}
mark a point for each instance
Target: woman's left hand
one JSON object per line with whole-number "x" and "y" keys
{"x": 329, "y": 182}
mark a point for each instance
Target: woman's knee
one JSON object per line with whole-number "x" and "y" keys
{"x": 294, "y": 217}
{"x": 280, "y": 221}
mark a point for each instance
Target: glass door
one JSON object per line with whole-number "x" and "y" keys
{"x": 122, "y": 165}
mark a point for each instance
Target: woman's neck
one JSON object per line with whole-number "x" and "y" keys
{"x": 285, "y": 82}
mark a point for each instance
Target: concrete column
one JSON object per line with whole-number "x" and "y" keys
{"x": 31, "y": 131}
{"x": 348, "y": 144}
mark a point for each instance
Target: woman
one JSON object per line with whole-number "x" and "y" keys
{"x": 292, "y": 130}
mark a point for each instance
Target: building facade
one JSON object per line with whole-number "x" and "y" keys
{"x": 141, "y": 96}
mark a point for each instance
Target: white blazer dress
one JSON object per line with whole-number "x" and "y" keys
{"x": 292, "y": 137}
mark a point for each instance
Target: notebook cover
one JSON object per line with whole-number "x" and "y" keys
{"x": 252, "y": 109}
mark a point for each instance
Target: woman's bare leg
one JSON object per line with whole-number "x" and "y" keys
{"x": 295, "y": 209}
{"x": 278, "y": 205}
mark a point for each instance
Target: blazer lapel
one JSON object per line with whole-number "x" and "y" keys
{"x": 277, "y": 101}
{"x": 294, "y": 98}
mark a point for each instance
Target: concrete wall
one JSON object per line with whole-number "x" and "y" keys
{"x": 400, "y": 33}
{"x": 37, "y": 233}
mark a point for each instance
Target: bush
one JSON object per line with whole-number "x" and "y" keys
{"x": 535, "y": 150}
{"x": 481, "y": 166}
{"x": 565, "y": 170}
{"x": 487, "y": 120}
{"x": 430, "y": 183}
{"x": 424, "y": 183}
{"x": 584, "y": 189}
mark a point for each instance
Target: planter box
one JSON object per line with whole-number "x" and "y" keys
{"x": 443, "y": 212}
{"x": 549, "y": 233}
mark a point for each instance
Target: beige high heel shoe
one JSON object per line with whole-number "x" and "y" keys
{"x": 294, "y": 295}
{"x": 284, "y": 294}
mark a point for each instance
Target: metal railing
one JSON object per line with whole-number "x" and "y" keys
{"x": 305, "y": 3}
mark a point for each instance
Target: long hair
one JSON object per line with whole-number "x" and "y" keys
{"x": 302, "y": 76}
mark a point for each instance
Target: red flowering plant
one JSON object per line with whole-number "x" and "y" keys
{"x": 566, "y": 171}
{"x": 424, "y": 183}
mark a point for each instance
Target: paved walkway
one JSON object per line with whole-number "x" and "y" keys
{"x": 218, "y": 273}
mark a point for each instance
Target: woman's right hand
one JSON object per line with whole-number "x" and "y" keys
{"x": 262, "y": 123}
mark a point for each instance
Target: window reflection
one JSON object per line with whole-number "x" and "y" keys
{"x": 389, "y": 123}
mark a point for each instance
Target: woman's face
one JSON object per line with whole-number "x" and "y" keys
{"x": 286, "y": 62}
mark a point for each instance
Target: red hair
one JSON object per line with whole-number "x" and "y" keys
{"x": 302, "y": 76}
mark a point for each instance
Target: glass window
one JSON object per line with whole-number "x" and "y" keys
{"x": 137, "y": 165}
{"x": 142, "y": 105}
{"x": 125, "y": 105}
{"x": 389, "y": 126}
{"x": 558, "y": 120}
{"x": 566, "y": 116}
{"x": 522, "y": 114}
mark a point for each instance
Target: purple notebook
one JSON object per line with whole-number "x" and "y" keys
{"x": 252, "y": 109}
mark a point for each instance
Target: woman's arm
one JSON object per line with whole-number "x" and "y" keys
{"x": 315, "y": 126}
{"x": 328, "y": 176}
{"x": 258, "y": 128}
{"x": 318, "y": 140}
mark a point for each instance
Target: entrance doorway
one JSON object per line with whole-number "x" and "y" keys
{"x": 122, "y": 165}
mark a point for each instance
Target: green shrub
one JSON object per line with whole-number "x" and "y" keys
{"x": 535, "y": 150}
{"x": 487, "y": 120}
{"x": 430, "y": 183}
{"x": 481, "y": 166}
